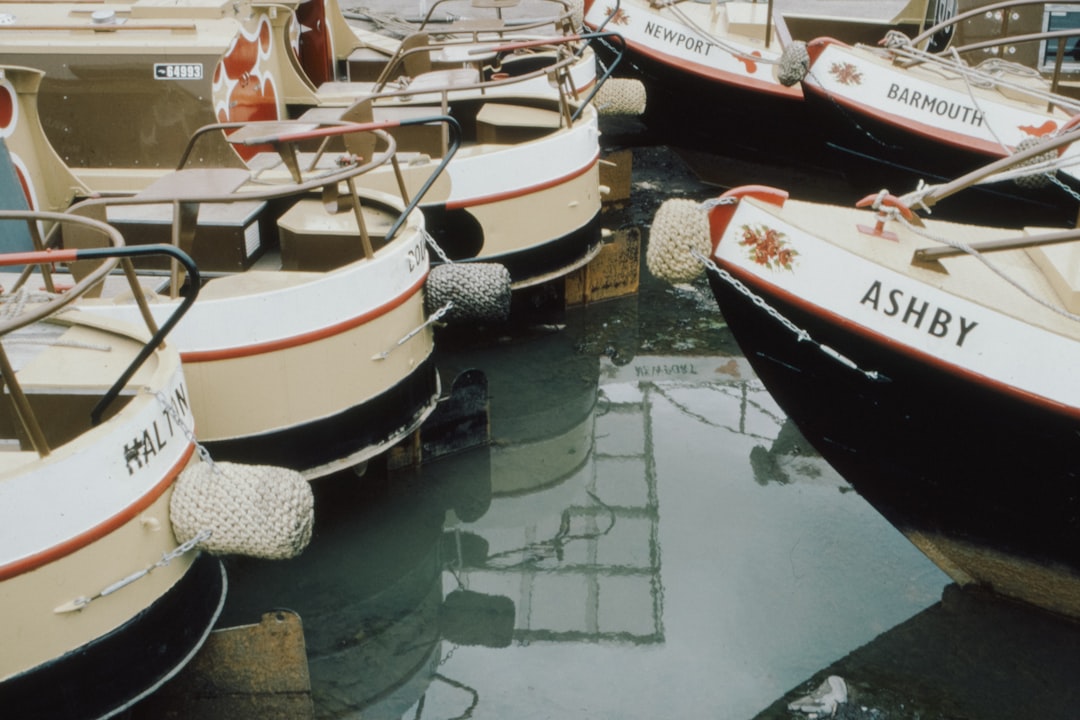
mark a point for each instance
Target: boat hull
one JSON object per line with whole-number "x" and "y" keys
{"x": 112, "y": 672}
{"x": 346, "y": 438}
{"x": 348, "y": 351}
{"x": 983, "y": 481}
{"x": 101, "y": 604}
{"x": 704, "y": 96}
{"x": 892, "y": 127}
{"x": 879, "y": 153}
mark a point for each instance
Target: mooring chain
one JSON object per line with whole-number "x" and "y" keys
{"x": 432, "y": 318}
{"x": 1064, "y": 186}
{"x": 849, "y": 115}
{"x": 435, "y": 246}
{"x": 174, "y": 416}
{"x": 800, "y": 333}
{"x": 82, "y": 601}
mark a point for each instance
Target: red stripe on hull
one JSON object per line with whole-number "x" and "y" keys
{"x": 89, "y": 537}
{"x": 305, "y": 338}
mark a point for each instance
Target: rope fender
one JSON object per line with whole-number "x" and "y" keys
{"x": 794, "y": 64}
{"x": 476, "y": 291}
{"x": 680, "y": 227}
{"x": 621, "y": 97}
{"x": 262, "y": 511}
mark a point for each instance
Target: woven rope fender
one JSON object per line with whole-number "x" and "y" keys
{"x": 620, "y": 96}
{"x": 1038, "y": 180}
{"x": 261, "y": 511}
{"x": 794, "y": 64}
{"x": 679, "y": 226}
{"x": 480, "y": 292}
{"x": 577, "y": 13}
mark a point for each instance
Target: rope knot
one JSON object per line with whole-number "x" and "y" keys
{"x": 895, "y": 40}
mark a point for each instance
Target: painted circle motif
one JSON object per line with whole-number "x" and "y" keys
{"x": 8, "y": 114}
{"x": 244, "y": 87}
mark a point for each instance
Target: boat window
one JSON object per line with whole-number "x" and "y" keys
{"x": 1060, "y": 17}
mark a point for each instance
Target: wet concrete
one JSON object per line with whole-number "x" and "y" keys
{"x": 972, "y": 655}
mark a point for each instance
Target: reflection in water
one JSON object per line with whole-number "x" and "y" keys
{"x": 642, "y": 538}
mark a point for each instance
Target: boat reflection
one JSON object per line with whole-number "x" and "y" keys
{"x": 542, "y": 562}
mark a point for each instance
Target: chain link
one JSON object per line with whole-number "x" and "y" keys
{"x": 80, "y": 602}
{"x": 174, "y": 415}
{"x": 435, "y": 246}
{"x": 1064, "y": 186}
{"x": 800, "y": 334}
{"x": 432, "y": 318}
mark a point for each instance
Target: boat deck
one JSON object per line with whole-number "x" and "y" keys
{"x": 966, "y": 276}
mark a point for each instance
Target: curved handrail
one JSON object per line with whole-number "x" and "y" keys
{"x": 111, "y": 257}
{"x": 587, "y": 37}
{"x": 57, "y": 302}
{"x": 336, "y": 128}
{"x": 287, "y": 131}
{"x": 976, "y": 12}
{"x": 565, "y": 17}
{"x": 396, "y": 62}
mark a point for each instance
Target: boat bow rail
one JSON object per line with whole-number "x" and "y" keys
{"x": 291, "y": 174}
{"x": 104, "y": 261}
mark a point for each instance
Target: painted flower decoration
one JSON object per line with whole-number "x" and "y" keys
{"x": 618, "y": 17}
{"x": 768, "y": 247}
{"x": 846, "y": 73}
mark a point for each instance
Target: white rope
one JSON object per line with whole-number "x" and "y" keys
{"x": 981, "y": 257}
{"x": 13, "y": 304}
{"x": 719, "y": 42}
{"x": 975, "y": 101}
{"x": 899, "y": 45}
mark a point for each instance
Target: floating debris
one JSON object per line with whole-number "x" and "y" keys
{"x": 824, "y": 700}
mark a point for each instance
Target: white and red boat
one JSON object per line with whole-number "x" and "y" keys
{"x": 310, "y": 347}
{"x": 899, "y": 113}
{"x": 101, "y": 602}
{"x": 720, "y": 76}
{"x": 931, "y": 363}
{"x": 523, "y": 191}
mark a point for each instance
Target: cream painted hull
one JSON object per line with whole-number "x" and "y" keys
{"x": 81, "y": 526}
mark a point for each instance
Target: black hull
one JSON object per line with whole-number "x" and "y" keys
{"x": 372, "y": 424}
{"x": 683, "y": 109}
{"x": 554, "y": 258}
{"x": 526, "y": 266}
{"x": 936, "y": 453}
{"x": 110, "y": 674}
{"x": 874, "y": 154}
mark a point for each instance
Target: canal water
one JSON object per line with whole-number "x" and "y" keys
{"x": 645, "y": 535}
